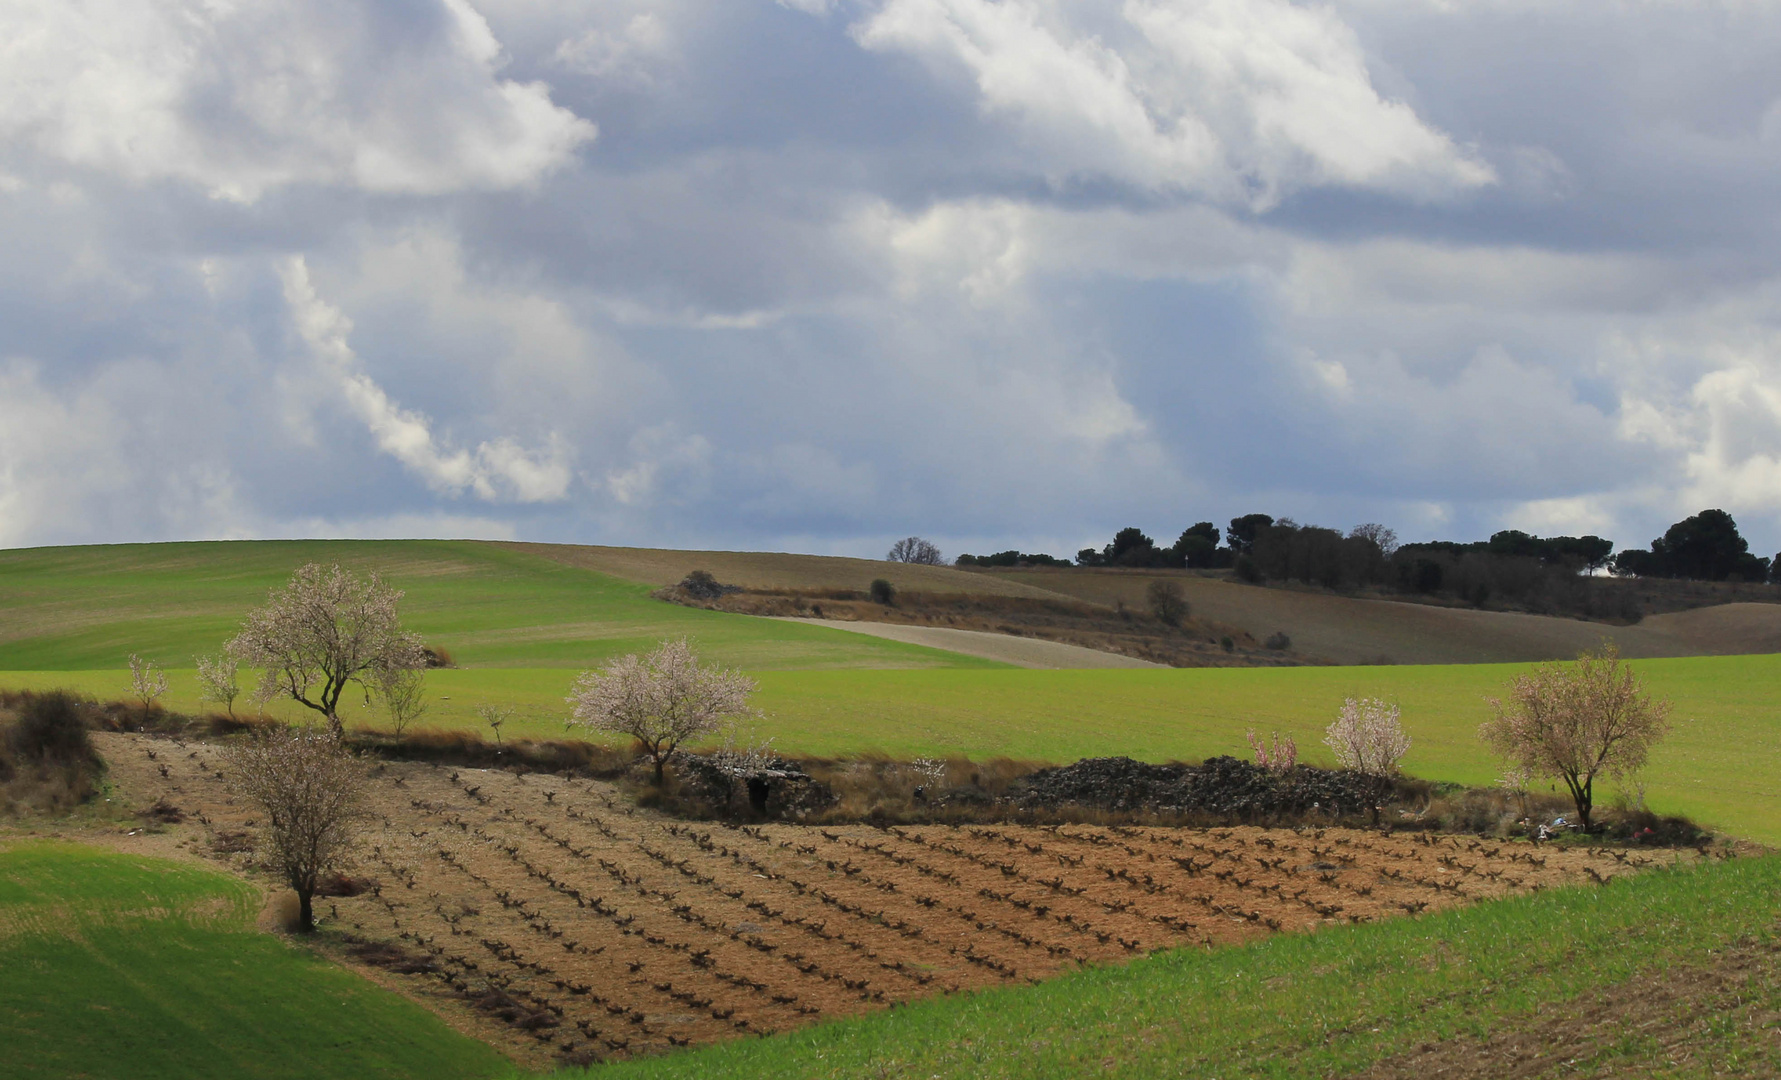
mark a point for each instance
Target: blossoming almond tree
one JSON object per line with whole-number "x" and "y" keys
{"x": 1577, "y": 722}
{"x": 1368, "y": 738}
{"x": 325, "y": 628}
{"x": 216, "y": 680}
{"x": 662, "y": 700}
{"x": 147, "y": 680}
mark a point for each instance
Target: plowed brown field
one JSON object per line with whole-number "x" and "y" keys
{"x": 594, "y": 929}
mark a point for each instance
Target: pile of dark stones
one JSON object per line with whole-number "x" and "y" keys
{"x": 1225, "y": 787}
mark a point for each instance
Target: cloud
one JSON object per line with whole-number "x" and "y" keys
{"x": 1017, "y": 273}
{"x": 1238, "y": 100}
{"x": 497, "y": 469}
{"x": 632, "y": 53}
{"x": 240, "y": 99}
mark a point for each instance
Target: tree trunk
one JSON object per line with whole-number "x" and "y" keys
{"x": 305, "y": 911}
{"x": 660, "y": 761}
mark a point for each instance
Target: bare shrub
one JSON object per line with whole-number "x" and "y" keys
{"x": 147, "y": 681}
{"x": 913, "y": 549}
{"x": 403, "y": 694}
{"x": 324, "y": 629}
{"x": 51, "y": 728}
{"x": 216, "y": 680}
{"x": 1577, "y": 722}
{"x": 47, "y": 761}
{"x": 494, "y": 716}
{"x": 312, "y": 792}
{"x": 661, "y": 700}
{"x": 1279, "y": 755}
{"x": 1167, "y": 602}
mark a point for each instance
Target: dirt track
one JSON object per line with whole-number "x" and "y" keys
{"x": 1021, "y": 651}
{"x": 593, "y": 929}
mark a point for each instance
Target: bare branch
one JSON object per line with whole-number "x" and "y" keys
{"x": 312, "y": 792}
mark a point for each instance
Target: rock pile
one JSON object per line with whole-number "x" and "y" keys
{"x": 774, "y": 788}
{"x": 1224, "y": 786}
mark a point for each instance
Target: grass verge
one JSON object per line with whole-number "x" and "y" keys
{"x": 120, "y": 966}
{"x": 1333, "y": 1003}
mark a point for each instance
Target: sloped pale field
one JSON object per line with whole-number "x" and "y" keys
{"x": 1352, "y": 630}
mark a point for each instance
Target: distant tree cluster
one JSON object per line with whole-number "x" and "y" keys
{"x": 1705, "y": 547}
{"x": 1196, "y": 548}
{"x": 1550, "y": 574}
{"x": 1011, "y": 557}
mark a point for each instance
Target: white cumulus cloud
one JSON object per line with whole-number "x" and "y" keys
{"x": 244, "y": 96}
{"x": 1242, "y": 100}
{"x": 498, "y": 469}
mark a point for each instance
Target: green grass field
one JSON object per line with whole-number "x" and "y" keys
{"x": 492, "y": 606}
{"x": 1335, "y": 1002}
{"x": 1721, "y": 763}
{"x": 117, "y": 966}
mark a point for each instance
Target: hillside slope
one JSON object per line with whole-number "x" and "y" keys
{"x": 491, "y": 605}
{"x": 773, "y": 570}
{"x": 1349, "y": 630}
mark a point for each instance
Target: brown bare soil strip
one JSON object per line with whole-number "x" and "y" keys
{"x": 1681, "y": 1020}
{"x": 591, "y": 929}
{"x": 1359, "y": 630}
{"x": 771, "y": 570}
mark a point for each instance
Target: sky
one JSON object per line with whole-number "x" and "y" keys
{"x": 814, "y": 275}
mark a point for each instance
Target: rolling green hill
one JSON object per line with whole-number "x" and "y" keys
{"x": 492, "y": 605}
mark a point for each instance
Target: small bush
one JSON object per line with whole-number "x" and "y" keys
{"x": 1278, "y": 641}
{"x": 52, "y": 729}
{"x": 1167, "y": 602}
{"x": 883, "y": 592}
{"x": 47, "y": 761}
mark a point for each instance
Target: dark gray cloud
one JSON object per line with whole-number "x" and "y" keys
{"x": 817, "y": 275}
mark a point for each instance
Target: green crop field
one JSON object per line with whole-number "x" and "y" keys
{"x": 135, "y": 968}
{"x": 1721, "y": 763}
{"x": 492, "y": 606}
{"x": 1338, "y": 1001}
